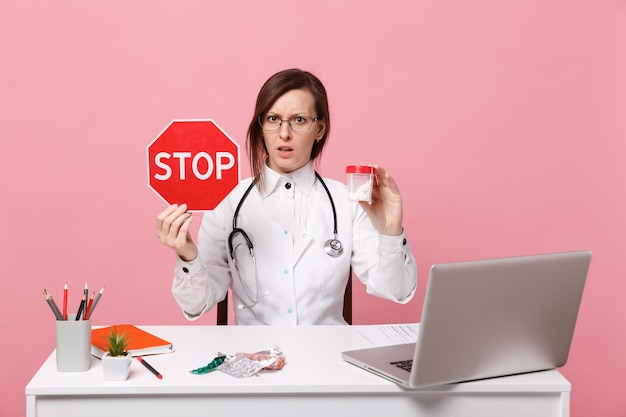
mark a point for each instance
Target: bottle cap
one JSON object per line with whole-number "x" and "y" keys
{"x": 360, "y": 169}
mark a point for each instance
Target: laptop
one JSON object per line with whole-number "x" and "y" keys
{"x": 488, "y": 318}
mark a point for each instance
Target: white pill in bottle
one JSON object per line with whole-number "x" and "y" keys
{"x": 360, "y": 182}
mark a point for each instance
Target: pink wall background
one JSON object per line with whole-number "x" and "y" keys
{"x": 503, "y": 123}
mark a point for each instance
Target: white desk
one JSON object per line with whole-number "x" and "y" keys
{"x": 314, "y": 382}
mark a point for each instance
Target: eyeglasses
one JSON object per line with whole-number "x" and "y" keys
{"x": 272, "y": 123}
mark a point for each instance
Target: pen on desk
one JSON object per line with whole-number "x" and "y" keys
{"x": 95, "y": 302}
{"x": 150, "y": 368}
{"x": 65, "y": 302}
{"x": 52, "y": 305}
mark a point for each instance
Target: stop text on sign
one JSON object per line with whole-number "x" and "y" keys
{"x": 223, "y": 161}
{"x": 193, "y": 162}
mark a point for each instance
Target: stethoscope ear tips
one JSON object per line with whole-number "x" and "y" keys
{"x": 333, "y": 247}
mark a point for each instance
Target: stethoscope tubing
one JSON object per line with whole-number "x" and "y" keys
{"x": 333, "y": 247}
{"x": 247, "y": 238}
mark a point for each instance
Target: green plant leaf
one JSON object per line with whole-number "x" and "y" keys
{"x": 116, "y": 343}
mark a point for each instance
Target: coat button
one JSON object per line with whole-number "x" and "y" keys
{"x": 288, "y": 185}
{"x": 403, "y": 242}
{"x": 185, "y": 270}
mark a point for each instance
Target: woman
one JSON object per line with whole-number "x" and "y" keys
{"x": 270, "y": 238}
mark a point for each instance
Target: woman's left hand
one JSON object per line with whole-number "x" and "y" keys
{"x": 385, "y": 211}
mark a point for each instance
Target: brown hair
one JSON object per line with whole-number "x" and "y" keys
{"x": 277, "y": 85}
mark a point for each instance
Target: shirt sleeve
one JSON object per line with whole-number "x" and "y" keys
{"x": 203, "y": 282}
{"x": 385, "y": 264}
{"x": 190, "y": 288}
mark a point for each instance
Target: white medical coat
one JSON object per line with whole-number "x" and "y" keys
{"x": 296, "y": 281}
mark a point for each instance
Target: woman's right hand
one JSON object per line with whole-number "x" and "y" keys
{"x": 172, "y": 227}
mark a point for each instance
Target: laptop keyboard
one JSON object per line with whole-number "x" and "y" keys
{"x": 406, "y": 364}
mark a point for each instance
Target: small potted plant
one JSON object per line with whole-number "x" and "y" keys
{"x": 116, "y": 360}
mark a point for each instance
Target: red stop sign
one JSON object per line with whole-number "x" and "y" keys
{"x": 193, "y": 162}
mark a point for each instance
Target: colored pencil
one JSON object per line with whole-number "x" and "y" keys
{"x": 65, "y": 302}
{"x": 95, "y": 302}
{"x": 81, "y": 306}
{"x": 52, "y": 305}
{"x": 88, "y": 308}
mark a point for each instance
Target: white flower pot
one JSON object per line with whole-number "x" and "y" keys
{"x": 116, "y": 368}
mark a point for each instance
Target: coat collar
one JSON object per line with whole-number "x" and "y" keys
{"x": 302, "y": 178}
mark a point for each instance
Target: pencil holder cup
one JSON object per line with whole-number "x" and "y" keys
{"x": 73, "y": 344}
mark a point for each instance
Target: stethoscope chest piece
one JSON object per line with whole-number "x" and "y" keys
{"x": 333, "y": 247}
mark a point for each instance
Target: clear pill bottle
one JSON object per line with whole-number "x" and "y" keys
{"x": 360, "y": 182}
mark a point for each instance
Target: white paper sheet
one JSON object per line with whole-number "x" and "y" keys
{"x": 389, "y": 334}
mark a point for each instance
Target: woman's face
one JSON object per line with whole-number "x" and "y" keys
{"x": 288, "y": 150}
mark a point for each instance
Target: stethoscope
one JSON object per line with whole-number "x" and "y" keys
{"x": 333, "y": 247}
